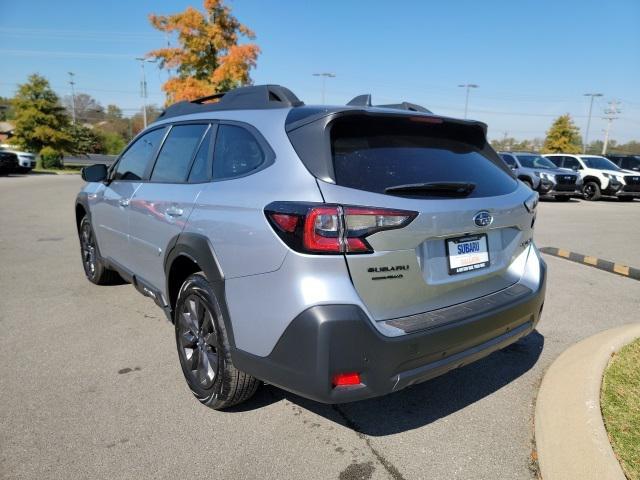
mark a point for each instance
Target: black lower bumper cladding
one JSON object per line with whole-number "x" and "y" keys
{"x": 330, "y": 339}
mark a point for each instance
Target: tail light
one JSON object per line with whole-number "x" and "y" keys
{"x": 332, "y": 229}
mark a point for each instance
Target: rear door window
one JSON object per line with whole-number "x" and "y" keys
{"x": 134, "y": 162}
{"x": 571, "y": 163}
{"x": 177, "y": 152}
{"x": 509, "y": 160}
{"x": 376, "y": 153}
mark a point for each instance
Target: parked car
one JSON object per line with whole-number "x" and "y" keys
{"x": 600, "y": 176}
{"x": 26, "y": 160}
{"x": 627, "y": 162}
{"x": 338, "y": 252}
{"x": 540, "y": 174}
{"x": 8, "y": 162}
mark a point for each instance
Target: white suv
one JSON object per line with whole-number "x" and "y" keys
{"x": 600, "y": 176}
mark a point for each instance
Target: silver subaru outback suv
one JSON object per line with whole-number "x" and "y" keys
{"x": 338, "y": 252}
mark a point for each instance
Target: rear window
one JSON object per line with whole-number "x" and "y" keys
{"x": 374, "y": 154}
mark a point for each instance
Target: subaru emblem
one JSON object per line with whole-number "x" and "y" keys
{"x": 483, "y": 219}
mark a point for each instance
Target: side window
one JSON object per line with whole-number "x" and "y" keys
{"x": 200, "y": 168}
{"x": 236, "y": 153}
{"x": 557, "y": 161}
{"x": 572, "y": 163}
{"x": 177, "y": 151}
{"x": 509, "y": 160}
{"x": 135, "y": 160}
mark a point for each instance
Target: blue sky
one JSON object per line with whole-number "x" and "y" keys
{"x": 532, "y": 60}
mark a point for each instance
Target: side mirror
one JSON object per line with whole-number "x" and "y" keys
{"x": 94, "y": 173}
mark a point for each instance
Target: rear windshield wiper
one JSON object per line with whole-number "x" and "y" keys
{"x": 442, "y": 189}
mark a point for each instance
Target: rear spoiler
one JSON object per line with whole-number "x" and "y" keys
{"x": 365, "y": 101}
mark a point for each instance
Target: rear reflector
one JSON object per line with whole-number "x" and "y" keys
{"x": 286, "y": 222}
{"x": 344, "y": 379}
{"x": 332, "y": 229}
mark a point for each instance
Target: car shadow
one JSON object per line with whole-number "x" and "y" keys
{"x": 422, "y": 404}
{"x": 553, "y": 200}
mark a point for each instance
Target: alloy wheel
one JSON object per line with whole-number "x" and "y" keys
{"x": 589, "y": 192}
{"x": 88, "y": 248}
{"x": 198, "y": 341}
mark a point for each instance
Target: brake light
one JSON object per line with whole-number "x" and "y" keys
{"x": 332, "y": 229}
{"x": 345, "y": 379}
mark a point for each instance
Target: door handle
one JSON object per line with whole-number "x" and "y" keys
{"x": 124, "y": 202}
{"x": 174, "y": 212}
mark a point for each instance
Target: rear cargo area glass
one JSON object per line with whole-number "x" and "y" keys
{"x": 373, "y": 154}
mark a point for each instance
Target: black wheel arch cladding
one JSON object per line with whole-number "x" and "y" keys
{"x": 197, "y": 249}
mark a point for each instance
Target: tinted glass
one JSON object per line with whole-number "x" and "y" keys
{"x": 631, "y": 163}
{"x": 200, "y": 169}
{"x": 599, "y": 163}
{"x": 572, "y": 163}
{"x": 237, "y": 152}
{"x": 535, "y": 161}
{"x": 135, "y": 160}
{"x": 176, "y": 154}
{"x": 373, "y": 154}
{"x": 509, "y": 160}
{"x": 557, "y": 161}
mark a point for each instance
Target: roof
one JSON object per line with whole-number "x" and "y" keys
{"x": 266, "y": 97}
{"x": 6, "y": 127}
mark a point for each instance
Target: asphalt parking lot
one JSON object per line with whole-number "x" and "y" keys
{"x": 91, "y": 385}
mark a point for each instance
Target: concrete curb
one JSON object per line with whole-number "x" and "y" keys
{"x": 570, "y": 434}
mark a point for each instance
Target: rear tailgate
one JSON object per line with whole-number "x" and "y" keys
{"x": 460, "y": 246}
{"x": 409, "y": 271}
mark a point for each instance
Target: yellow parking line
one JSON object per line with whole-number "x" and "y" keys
{"x": 621, "y": 269}
{"x": 564, "y": 253}
{"x": 591, "y": 260}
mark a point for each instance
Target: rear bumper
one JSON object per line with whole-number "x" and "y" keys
{"x": 329, "y": 339}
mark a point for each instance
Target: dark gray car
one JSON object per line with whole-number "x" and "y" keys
{"x": 541, "y": 175}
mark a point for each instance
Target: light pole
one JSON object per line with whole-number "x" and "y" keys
{"x": 73, "y": 97}
{"x": 466, "y": 101}
{"x": 586, "y": 133}
{"x": 324, "y": 80}
{"x": 610, "y": 113}
{"x": 143, "y": 88}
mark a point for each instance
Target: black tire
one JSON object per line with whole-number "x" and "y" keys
{"x": 591, "y": 191}
{"x": 562, "y": 198}
{"x": 203, "y": 348}
{"x": 94, "y": 267}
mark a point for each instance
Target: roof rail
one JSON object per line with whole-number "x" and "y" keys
{"x": 365, "y": 101}
{"x": 256, "y": 97}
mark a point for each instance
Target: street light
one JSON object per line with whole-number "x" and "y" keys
{"x": 324, "y": 79}
{"x": 143, "y": 88}
{"x": 586, "y": 133}
{"x": 466, "y": 101}
{"x": 73, "y": 97}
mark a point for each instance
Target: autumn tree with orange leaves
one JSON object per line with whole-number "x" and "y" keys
{"x": 209, "y": 59}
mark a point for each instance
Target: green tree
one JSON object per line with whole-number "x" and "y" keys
{"x": 40, "y": 120}
{"x": 563, "y": 137}
{"x": 85, "y": 140}
{"x": 113, "y": 143}
{"x": 6, "y": 112}
{"x": 114, "y": 122}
